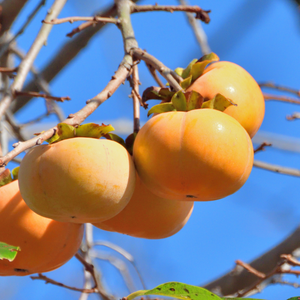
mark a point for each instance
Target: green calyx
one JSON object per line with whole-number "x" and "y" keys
{"x": 186, "y": 101}
{"x": 92, "y": 130}
{"x": 195, "y": 69}
{"x": 6, "y": 176}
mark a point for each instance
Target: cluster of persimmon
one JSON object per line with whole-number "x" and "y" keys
{"x": 196, "y": 147}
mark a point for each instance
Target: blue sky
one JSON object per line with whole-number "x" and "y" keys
{"x": 261, "y": 36}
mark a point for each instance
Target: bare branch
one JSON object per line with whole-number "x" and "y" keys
{"x": 136, "y": 97}
{"x": 22, "y": 29}
{"x": 262, "y": 147}
{"x": 49, "y": 280}
{"x": 94, "y": 20}
{"x": 200, "y": 13}
{"x": 39, "y": 95}
{"x": 35, "y": 48}
{"x": 154, "y": 74}
{"x": 280, "y": 88}
{"x": 293, "y": 117}
{"x": 66, "y": 54}
{"x": 198, "y": 30}
{"x": 158, "y": 65}
{"x": 276, "y": 168}
{"x": 77, "y": 118}
{"x": 280, "y": 98}
{"x": 8, "y": 70}
{"x": 240, "y": 279}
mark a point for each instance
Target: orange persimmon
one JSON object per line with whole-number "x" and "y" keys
{"x": 199, "y": 155}
{"x": 234, "y": 82}
{"x": 45, "y": 244}
{"x": 149, "y": 216}
{"x": 80, "y": 180}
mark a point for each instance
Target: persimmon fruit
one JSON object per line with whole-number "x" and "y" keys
{"x": 80, "y": 180}
{"x": 236, "y": 83}
{"x": 198, "y": 155}
{"x": 45, "y": 244}
{"x": 149, "y": 216}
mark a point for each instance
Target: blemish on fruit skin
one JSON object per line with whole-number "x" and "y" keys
{"x": 187, "y": 290}
{"x": 21, "y": 270}
{"x": 191, "y": 196}
{"x": 73, "y": 217}
{"x": 172, "y": 289}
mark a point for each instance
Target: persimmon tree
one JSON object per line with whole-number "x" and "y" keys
{"x": 18, "y": 89}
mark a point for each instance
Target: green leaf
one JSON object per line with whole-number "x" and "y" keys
{"x": 219, "y": 102}
{"x": 160, "y": 108}
{"x": 114, "y": 137}
{"x": 198, "y": 69}
{"x": 179, "y": 101}
{"x": 186, "y": 72}
{"x": 179, "y": 71}
{"x": 8, "y": 252}
{"x": 194, "y": 100}
{"x": 93, "y": 130}
{"x": 211, "y": 56}
{"x": 186, "y": 82}
{"x": 64, "y": 131}
{"x": 294, "y": 298}
{"x": 241, "y": 299}
{"x": 177, "y": 290}
{"x": 15, "y": 173}
{"x": 5, "y": 177}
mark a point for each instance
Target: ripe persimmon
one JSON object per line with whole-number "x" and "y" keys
{"x": 199, "y": 155}
{"x": 80, "y": 180}
{"x": 149, "y": 216}
{"x": 45, "y": 244}
{"x": 234, "y": 82}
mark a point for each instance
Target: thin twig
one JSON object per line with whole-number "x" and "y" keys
{"x": 234, "y": 281}
{"x": 250, "y": 269}
{"x": 66, "y": 53}
{"x": 269, "y": 97}
{"x": 198, "y": 30}
{"x": 293, "y": 117}
{"x": 276, "y": 168}
{"x": 43, "y": 85}
{"x": 8, "y": 70}
{"x": 125, "y": 254}
{"x": 49, "y": 280}
{"x": 200, "y": 13}
{"x": 22, "y": 29}
{"x": 77, "y": 118}
{"x": 95, "y": 19}
{"x": 39, "y": 95}
{"x": 154, "y": 74}
{"x": 280, "y": 88}
{"x": 137, "y": 99}
{"x": 262, "y": 147}
{"x": 35, "y": 48}
{"x": 158, "y": 65}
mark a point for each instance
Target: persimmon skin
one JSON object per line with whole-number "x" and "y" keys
{"x": 149, "y": 216}
{"x": 80, "y": 180}
{"x": 199, "y": 155}
{"x": 45, "y": 244}
{"x": 236, "y": 83}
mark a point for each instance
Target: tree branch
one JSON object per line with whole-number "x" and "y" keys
{"x": 198, "y": 30}
{"x": 35, "y": 48}
{"x": 74, "y": 119}
{"x": 10, "y": 9}
{"x": 239, "y": 279}
{"x": 276, "y": 168}
{"x": 66, "y": 54}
